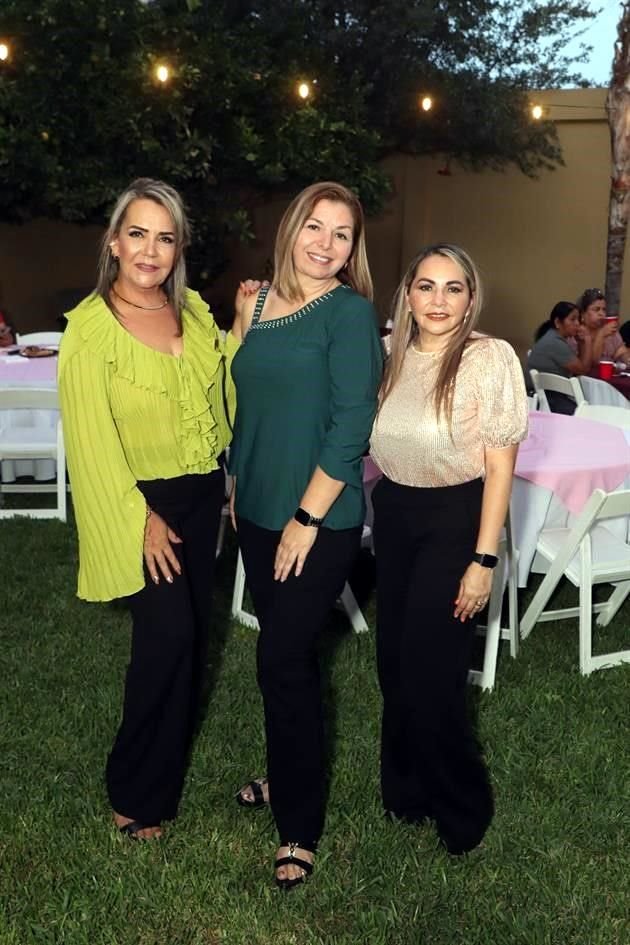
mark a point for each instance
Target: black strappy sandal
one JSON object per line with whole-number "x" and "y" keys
{"x": 256, "y": 787}
{"x": 133, "y": 828}
{"x": 292, "y": 860}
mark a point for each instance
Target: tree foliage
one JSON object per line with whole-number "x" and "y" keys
{"x": 81, "y": 113}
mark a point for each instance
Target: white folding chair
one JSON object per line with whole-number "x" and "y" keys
{"x": 532, "y": 402}
{"x": 569, "y": 386}
{"x": 493, "y": 631}
{"x": 587, "y": 554}
{"x": 603, "y": 394}
{"x": 33, "y": 443}
{"x": 614, "y": 416}
{"x": 347, "y": 601}
{"x": 39, "y": 338}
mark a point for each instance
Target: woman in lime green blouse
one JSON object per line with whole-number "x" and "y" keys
{"x": 145, "y": 394}
{"x": 307, "y": 376}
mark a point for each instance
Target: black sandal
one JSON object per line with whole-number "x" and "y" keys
{"x": 256, "y": 787}
{"x": 293, "y": 860}
{"x": 132, "y": 829}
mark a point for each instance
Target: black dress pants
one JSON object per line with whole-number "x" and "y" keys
{"x": 291, "y": 614}
{"x": 431, "y": 765}
{"x": 146, "y": 767}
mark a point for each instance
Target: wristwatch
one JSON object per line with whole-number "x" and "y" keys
{"x": 486, "y": 561}
{"x": 305, "y": 518}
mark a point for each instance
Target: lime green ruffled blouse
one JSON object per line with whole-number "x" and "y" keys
{"x": 133, "y": 413}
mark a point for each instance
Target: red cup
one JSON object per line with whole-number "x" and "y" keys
{"x": 606, "y": 369}
{"x": 611, "y": 318}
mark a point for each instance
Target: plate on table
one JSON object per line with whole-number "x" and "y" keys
{"x": 37, "y": 351}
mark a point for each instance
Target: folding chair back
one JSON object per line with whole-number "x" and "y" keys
{"x": 569, "y": 386}
{"x": 33, "y": 443}
{"x": 39, "y": 338}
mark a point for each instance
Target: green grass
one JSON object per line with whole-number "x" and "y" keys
{"x": 552, "y": 871}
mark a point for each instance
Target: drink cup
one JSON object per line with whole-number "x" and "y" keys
{"x": 606, "y": 369}
{"x": 611, "y": 318}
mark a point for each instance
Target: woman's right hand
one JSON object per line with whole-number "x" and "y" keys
{"x": 158, "y": 551}
{"x": 246, "y": 288}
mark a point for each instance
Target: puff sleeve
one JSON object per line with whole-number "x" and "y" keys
{"x": 502, "y": 398}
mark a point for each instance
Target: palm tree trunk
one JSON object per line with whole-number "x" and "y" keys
{"x": 618, "y": 106}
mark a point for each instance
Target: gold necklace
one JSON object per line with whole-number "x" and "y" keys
{"x": 145, "y": 308}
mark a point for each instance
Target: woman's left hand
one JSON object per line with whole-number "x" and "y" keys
{"x": 295, "y": 544}
{"x": 474, "y": 591}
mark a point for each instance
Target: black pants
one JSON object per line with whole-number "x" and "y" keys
{"x": 291, "y": 614}
{"x": 431, "y": 765}
{"x": 146, "y": 766}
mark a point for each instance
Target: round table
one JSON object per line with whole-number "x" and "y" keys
{"x": 621, "y": 382}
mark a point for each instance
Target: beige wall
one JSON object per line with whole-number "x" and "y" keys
{"x": 39, "y": 263}
{"x": 536, "y": 241}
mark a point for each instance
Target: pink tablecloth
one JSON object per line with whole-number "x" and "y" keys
{"x": 16, "y": 371}
{"x": 572, "y": 457}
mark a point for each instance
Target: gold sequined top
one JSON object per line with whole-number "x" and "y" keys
{"x": 489, "y": 410}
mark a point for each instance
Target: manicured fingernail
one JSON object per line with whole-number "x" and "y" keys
{"x": 170, "y": 580}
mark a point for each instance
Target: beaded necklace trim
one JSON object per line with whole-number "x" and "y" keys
{"x": 288, "y": 319}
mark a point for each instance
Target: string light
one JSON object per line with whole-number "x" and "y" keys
{"x": 426, "y": 103}
{"x": 4, "y": 52}
{"x": 162, "y": 73}
{"x": 537, "y": 112}
{"x": 304, "y": 90}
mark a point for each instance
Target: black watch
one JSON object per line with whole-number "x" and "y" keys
{"x": 305, "y": 518}
{"x": 486, "y": 561}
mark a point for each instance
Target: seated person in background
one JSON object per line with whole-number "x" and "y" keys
{"x": 605, "y": 337}
{"x": 624, "y": 331}
{"x": 554, "y": 354}
{"x": 7, "y": 332}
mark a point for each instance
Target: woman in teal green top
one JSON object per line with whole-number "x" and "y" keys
{"x": 143, "y": 383}
{"x": 307, "y": 376}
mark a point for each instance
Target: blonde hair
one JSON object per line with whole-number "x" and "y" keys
{"x": 144, "y": 188}
{"x": 405, "y": 328}
{"x": 356, "y": 272}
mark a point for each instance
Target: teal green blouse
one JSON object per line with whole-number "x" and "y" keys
{"x": 306, "y": 391}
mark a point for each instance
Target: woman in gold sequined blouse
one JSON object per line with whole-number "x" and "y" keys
{"x": 452, "y": 410}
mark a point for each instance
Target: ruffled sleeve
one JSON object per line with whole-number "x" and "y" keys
{"x": 109, "y": 508}
{"x": 503, "y": 411}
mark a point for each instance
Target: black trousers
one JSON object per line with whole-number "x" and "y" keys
{"x": 146, "y": 767}
{"x": 431, "y": 765}
{"x": 291, "y": 614}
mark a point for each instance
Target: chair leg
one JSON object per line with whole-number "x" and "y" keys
{"x": 221, "y": 533}
{"x": 542, "y": 595}
{"x": 352, "y": 609}
{"x": 586, "y": 627}
{"x": 513, "y": 601}
{"x": 493, "y": 631}
{"x": 238, "y": 594}
{"x": 613, "y": 603}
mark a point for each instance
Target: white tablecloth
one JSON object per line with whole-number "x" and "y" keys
{"x": 602, "y": 394}
{"x": 16, "y": 371}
